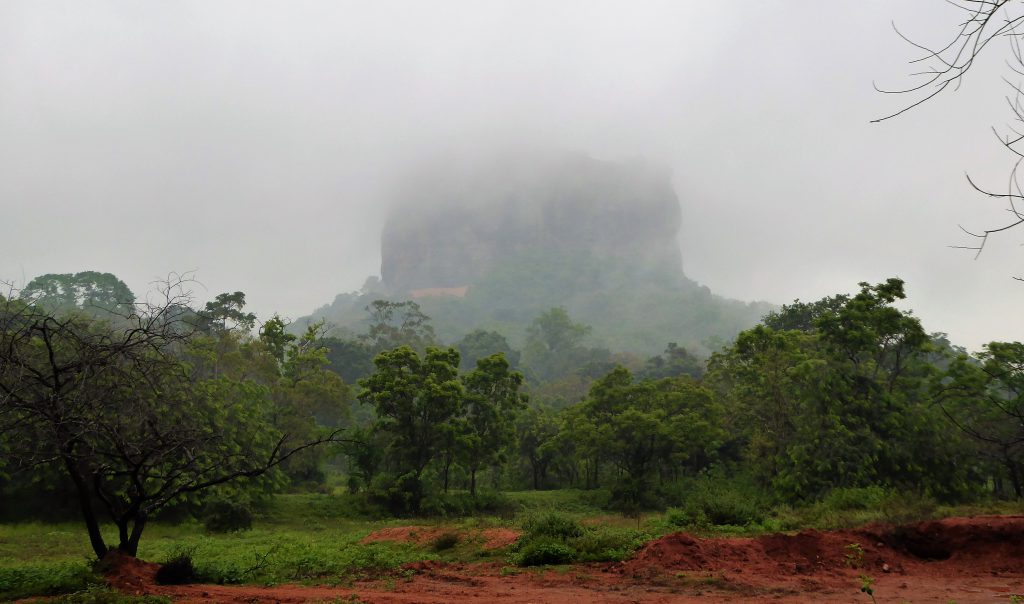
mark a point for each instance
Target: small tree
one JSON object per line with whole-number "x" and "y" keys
{"x": 113, "y": 405}
{"x": 394, "y": 324}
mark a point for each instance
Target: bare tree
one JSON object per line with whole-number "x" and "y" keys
{"x": 113, "y": 404}
{"x": 944, "y": 66}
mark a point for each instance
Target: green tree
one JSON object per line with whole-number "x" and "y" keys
{"x": 492, "y": 400}
{"x": 480, "y": 343}
{"x": 89, "y": 291}
{"x": 843, "y": 404}
{"x": 985, "y": 400}
{"x": 803, "y": 316}
{"x": 274, "y": 335}
{"x": 554, "y": 346}
{"x": 352, "y": 359}
{"x": 676, "y": 361}
{"x": 309, "y": 401}
{"x": 650, "y": 427}
{"x": 415, "y": 399}
{"x": 765, "y": 376}
{"x": 394, "y": 324}
{"x": 225, "y": 312}
{"x": 536, "y": 435}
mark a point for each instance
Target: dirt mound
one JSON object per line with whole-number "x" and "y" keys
{"x": 498, "y": 538}
{"x": 986, "y": 544}
{"x": 992, "y": 542}
{"x": 127, "y": 574}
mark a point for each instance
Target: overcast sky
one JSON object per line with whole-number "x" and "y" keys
{"x": 255, "y": 142}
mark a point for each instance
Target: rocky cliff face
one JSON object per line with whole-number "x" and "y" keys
{"x": 451, "y": 227}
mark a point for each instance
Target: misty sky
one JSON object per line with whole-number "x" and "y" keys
{"x": 256, "y": 142}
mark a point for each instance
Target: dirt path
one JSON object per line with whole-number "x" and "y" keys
{"x": 962, "y": 559}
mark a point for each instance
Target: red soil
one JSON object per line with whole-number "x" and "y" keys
{"x": 963, "y": 559}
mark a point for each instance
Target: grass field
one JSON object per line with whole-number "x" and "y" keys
{"x": 316, "y": 538}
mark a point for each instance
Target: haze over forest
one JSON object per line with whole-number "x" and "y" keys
{"x": 261, "y": 146}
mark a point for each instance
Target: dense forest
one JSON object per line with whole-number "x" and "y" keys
{"x": 118, "y": 410}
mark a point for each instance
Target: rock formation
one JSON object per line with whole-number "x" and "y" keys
{"x": 453, "y": 230}
{"x": 493, "y": 243}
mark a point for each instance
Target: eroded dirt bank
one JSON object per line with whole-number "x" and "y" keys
{"x": 977, "y": 559}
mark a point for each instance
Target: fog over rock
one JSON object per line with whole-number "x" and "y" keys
{"x": 451, "y": 230}
{"x": 497, "y": 239}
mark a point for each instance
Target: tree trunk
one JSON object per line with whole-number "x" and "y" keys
{"x": 472, "y": 482}
{"x": 131, "y": 545}
{"x": 92, "y": 525}
{"x": 1015, "y": 478}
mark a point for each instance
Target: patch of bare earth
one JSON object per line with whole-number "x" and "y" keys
{"x": 968, "y": 560}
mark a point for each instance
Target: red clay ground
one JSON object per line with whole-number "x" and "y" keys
{"x": 977, "y": 559}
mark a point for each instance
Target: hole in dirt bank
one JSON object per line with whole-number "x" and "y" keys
{"x": 922, "y": 544}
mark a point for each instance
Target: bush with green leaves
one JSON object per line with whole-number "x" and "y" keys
{"x": 556, "y": 539}
{"x": 608, "y": 543}
{"x": 225, "y": 516}
{"x": 715, "y": 500}
{"x": 544, "y": 550}
{"x": 178, "y": 569}
{"x": 552, "y": 525}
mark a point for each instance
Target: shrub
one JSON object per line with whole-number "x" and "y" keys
{"x": 731, "y": 508}
{"x": 544, "y": 550}
{"x": 225, "y": 516}
{"x": 607, "y": 544}
{"x": 399, "y": 495}
{"x": 685, "y": 517}
{"x": 556, "y": 539}
{"x": 178, "y": 569}
{"x": 711, "y": 500}
{"x": 552, "y": 525}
